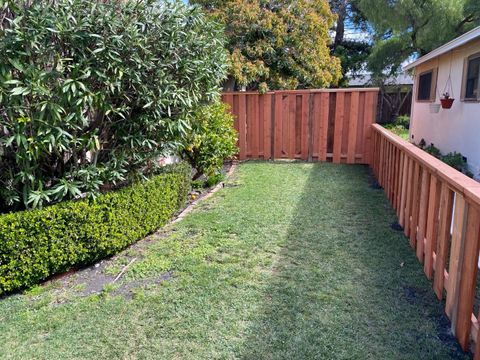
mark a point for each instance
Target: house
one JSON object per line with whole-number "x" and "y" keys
{"x": 453, "y": 68}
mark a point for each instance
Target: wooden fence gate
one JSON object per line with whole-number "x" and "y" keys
{"x": 314, "y": 125}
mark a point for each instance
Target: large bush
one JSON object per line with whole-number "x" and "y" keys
{"x": 92, "y": 92}
{"x": 38, "y": 243}
{"x": 212, "y": 139}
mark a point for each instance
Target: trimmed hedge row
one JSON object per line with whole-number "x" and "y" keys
{"x": 39, "y": 243}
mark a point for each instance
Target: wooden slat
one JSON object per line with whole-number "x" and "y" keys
{"x": 304, "y": 127}
{"x": 261, "y": 126}
{"x": 468, "y": 278}
{"x": 446, "y": 204}
{"x": 422, "y": 215}
{"x": 408, "y": 205}
{"x": 323, "y": 138}
{"x": 352, "y": 127}
{"x": 432, "y": 224}
{"x": 369, "y": 118}
{"x": 278, "y": 127}
{"x": 267, "y": 127}
{"x": 242, "y": 125}
{"x": 403, "y": 198}
{"x": 456, "y": 250}
{"x": 338, "y": 132}
{"x": 415, "y": 206}
{"x": 292, "y": 131}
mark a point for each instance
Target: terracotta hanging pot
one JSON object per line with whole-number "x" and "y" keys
{"x": 446, "y": 103}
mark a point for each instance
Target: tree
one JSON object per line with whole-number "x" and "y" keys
{"x": 413, "y": 28}
{"x": 277, "y": 44}
{"x": 353, "y": 53}
{"x": 92, "y": 92}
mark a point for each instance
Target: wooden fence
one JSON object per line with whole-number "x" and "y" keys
{"x": 315, "y": 125}
{"x": 439, "y": 209}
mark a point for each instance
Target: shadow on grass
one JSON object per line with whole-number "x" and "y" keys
{"x": 347, "y": 285}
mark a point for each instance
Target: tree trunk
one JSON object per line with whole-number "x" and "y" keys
{"x": 341, "y": 13}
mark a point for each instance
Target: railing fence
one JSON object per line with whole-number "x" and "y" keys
{"x": 439, "y": 210}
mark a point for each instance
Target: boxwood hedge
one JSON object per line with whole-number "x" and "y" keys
{"x": 36, "y": 244}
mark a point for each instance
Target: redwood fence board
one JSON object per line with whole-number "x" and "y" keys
{"x": 312, "y": 125}
{"x": 439, "y": 209}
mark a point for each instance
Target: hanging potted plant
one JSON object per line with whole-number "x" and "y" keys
{"x": 446, "y": 101}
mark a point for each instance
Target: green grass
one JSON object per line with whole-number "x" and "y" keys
{"x": 399, "y": 130}
{"x": 291, "y": 261}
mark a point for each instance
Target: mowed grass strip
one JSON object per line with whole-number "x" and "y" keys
{"x": 288, "y": 261}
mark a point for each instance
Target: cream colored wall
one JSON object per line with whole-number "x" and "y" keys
{"x": 456, "y": 129}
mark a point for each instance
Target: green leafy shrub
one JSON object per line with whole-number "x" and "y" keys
{"x": 92, "y": 92}
{"x": 455, "y": 160}
{"x": 212, "y": 140}
{"x": 433, "y": 150}
{"x": 36, "y": 244}
{"x": 215, "y": 179}
{"x": 403, "y": 120}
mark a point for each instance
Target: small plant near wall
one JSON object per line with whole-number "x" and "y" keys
{"x": 454, "y": 159}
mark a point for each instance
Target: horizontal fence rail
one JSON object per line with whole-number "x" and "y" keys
{"x": 314, "y": 125}
{"x": 439, "y": 210}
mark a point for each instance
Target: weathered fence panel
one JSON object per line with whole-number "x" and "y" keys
{"x": 316, "y": 125}
{"x": 439, "y": 210}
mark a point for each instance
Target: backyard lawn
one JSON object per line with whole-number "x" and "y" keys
{"x": 288, "y": 261}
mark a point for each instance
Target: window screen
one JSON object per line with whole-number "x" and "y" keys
{"x": 425, "y": 86}
{"x": 471, "y": 84}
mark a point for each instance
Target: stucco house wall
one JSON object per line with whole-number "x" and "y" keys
{"x": 456, "y": 129}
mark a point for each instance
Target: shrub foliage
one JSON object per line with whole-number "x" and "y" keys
{"x": 38, "y": 243}
{"x": 92, "y": 92}
{"x": 212, "y": 139}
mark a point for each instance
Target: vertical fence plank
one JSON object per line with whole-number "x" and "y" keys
{"x": 403, "y": 198}
{"x": 432, "y": 224}
{"x": 304, "y": 126}
{"x": 338, "y": 132}
{"x": 323, "y": 139}
{"x": 415, "y": 205}
{"x": 446, "y": 210}
{"x": 242, "y": 125}
{"x": 466, "y": 291}
{"x": 422, "y": 216}
{"x": 278, "y": 128}
{"x": 352, "y": 127}
{"x": 459, "y": 224}
{"x": 408, "y": 205}
{"x": 369, "y": 119}
{"x": 292, "y": 131}
{"x": 267, "y": 127}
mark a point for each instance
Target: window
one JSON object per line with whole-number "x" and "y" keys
{"x": 426, "y": 86}
{"x": 471, "y": 89}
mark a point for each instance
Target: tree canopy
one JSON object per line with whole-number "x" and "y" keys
{"x": 277, "y": 44}
{"x": 413, "y": 28}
